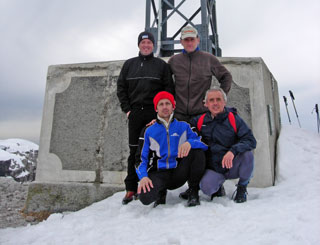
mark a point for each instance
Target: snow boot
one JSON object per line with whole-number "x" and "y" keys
{"x": 185, "y": 195}
{"x": 161, "y": 199}
{"x": 193, "y": 198}
{"x": 220, "y": 193}
{"x": 130, "y": 195}
{"x": 241, "y": 195}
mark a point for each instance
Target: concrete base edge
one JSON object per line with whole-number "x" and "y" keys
{"x": 61, "y": 197}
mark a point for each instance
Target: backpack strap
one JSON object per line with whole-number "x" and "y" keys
{"x": 200, "y": 122}
{"x": 231, "y": 118}
{"x": 232, "y": 121}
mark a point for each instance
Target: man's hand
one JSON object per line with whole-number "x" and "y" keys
{"x": 128, "y": 113}
{"x": 184, "y": 150}
{"x": 227, "y": 160}
{"x": 151, "y": 123}
{"x": 145, "y": 185}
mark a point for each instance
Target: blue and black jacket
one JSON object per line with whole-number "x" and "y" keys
{"x": 159, "y": 146}
{"x": 221, "y": 137}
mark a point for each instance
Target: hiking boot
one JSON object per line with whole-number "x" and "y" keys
{"x": 161, "y": 199}
{"x": 220, "y": 193}
{"x": 241, "y": 195}
{"x": 130, "y": 195}
{"x": 193, "y": 198}
{"x": 185, "y": 195}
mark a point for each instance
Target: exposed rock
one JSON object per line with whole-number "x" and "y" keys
{"x": 5, "y": 168}
{"x": 18, "y": 159}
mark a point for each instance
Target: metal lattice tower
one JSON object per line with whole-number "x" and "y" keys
{"x": 207, "y": 29}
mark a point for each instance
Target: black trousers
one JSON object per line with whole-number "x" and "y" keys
{"x": 190, "y": 168}
{"x": 138, "y": 118}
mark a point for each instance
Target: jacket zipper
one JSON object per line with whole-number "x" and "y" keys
{"x": 168, "y": 142}
{"x": 141, "y": 97}
{"x": 189, "y": 84}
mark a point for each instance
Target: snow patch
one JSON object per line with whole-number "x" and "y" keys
{"x": 287, "y": 213}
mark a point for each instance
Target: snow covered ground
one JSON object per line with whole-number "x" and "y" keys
{"x": 16, "y": 151}
{"x": 18, "y": 145}
{"x": 287, "y": 213}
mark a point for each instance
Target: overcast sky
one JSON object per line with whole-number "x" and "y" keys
{"x": 36, "y": 33}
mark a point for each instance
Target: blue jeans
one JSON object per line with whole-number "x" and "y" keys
{"x": 242, "y": 168}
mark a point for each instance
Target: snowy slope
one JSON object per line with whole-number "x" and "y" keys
{"x": 19, "y": 152}
{"x": 18, "y": 145}
{"x": 288, "y": 213}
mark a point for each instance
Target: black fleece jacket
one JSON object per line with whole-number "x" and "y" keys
{"x": 140, "y": 79}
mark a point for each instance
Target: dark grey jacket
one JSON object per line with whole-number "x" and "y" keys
{"x": 193, "y": 76}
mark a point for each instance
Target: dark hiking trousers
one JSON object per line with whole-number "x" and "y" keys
{"x": 242, "y": 168}
{"x": 190, "y": 168}
{"x": 138, "y": 118}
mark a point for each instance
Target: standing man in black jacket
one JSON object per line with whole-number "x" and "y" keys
{"x": 140, "y": 79}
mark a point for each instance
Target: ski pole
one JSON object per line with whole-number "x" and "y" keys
{"x": 286, "y": 104}
{"x": 318, "y": 119}
{"x": 292, "y": 98}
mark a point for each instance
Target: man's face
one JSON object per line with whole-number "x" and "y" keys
{"x": 164, "y": 108}
{"x": 215, "y": 102}
{"x": 190, "y": 43}
{"x": 146, "y": 47}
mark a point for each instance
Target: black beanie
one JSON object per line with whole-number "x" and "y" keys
{"x": 145, "y": 35}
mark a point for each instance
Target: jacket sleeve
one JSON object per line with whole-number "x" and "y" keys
{"x": 246, "y": 140}
{"x": 194, "y": 122}
{"x": 122, "y": 89}
{"x": 167, "y": 78}
{"x": 222, "y": 74}
{"x": 195, "y": 140}
{"x": 142, "y": 154}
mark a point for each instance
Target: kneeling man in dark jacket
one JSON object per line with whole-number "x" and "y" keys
{"x": 230, "y": 142}
{"x": 171, "y": 155}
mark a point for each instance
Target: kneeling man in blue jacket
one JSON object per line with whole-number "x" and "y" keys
{"x": 171, "y": 155}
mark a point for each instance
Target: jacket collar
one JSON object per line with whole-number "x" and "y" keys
{"x": 223, "y": 115}
{"x": 164, "y": 122}
{"x": 146, "y": 57}
{"x": 220, "y": 116}
{"x": 185, "y": 52}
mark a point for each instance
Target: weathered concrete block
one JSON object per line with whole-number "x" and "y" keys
{"x": 66, "y": 196}
{"x": 84, "y": 133}
{"x": 255, "y": 95}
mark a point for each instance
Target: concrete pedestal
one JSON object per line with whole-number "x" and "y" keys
{"x": 84, "y": 144}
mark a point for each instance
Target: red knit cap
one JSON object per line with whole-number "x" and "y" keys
{"x": 163, "y": 95}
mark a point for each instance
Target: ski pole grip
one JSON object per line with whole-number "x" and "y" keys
{"x": 285, "y": 99}
{"x": 291, "y": 94}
